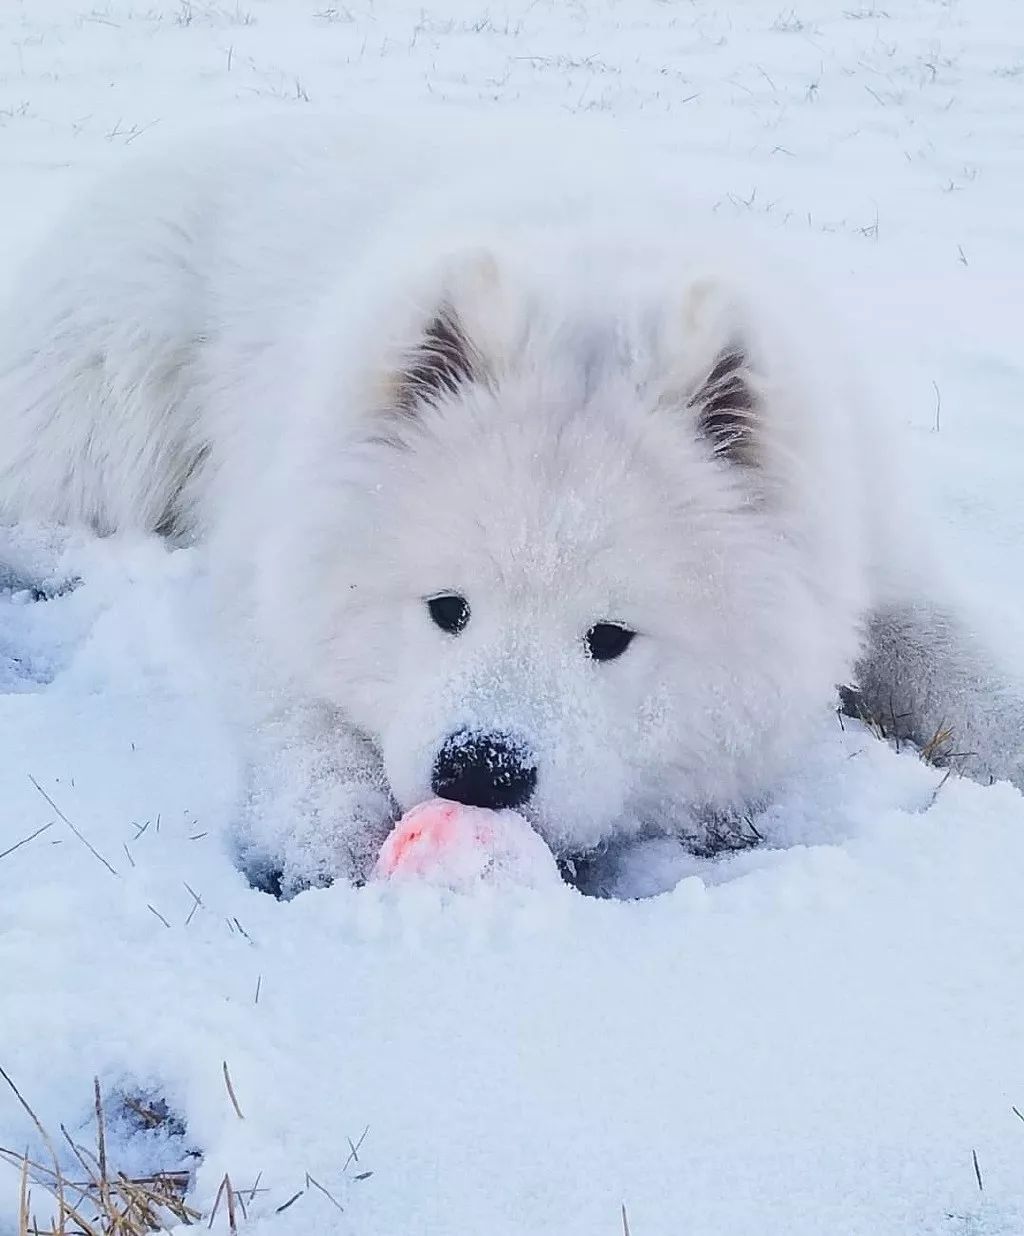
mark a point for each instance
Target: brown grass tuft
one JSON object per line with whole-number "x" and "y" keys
{"x": 938, "y": 750}
{"x": 105, "y": 1202}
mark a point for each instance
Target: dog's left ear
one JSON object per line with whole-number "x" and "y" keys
{"x": 723, "y": 388}
{"x": 726, "y": 407}
{"x": 441, "y": 361}
{"x": 449, "y": 345}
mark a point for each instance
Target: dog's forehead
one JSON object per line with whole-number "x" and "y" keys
{"x": 561, "y": 497}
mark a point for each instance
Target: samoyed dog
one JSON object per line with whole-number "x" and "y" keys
{"x": 519, "y": 484}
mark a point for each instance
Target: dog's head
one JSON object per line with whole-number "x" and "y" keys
{"x": 571, "y": 562}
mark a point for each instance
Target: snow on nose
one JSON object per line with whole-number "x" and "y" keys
{"x": 484, "y": 770}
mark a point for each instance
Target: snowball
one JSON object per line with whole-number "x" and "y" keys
{"x": 452, "y": 846}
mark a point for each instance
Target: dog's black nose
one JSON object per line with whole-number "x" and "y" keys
{"x": 484, "y": 770}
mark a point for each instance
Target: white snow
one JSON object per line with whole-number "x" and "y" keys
{"x": 810, "y": 1037}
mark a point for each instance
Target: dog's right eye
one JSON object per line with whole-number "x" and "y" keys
{"x": 605, "y": 641}
{"x": 450, "y": 612}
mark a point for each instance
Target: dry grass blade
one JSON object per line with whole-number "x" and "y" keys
{"x": 231, "y": 1092}
{"x": 37, "y": 1171}
{"x": 84, "y": 840}
{"x": 80, "y": 1153}
{"x": 354, "y": 1148}
{"x": 58, "y": 1178}
{"x": 230, "y": 1194}
{"x": 216, "y": 1201}
{"x": 154, "y": 910}
{"x": 937, "y": 748}
{"x": 240, "y": 1200}
{"x": 290, "y": 1202}
{"x": 101, "y": 1144}
{"x": 25, "y": 840}
{"x": 24, "y": 1200}
{"x": 151, "y": 1119}
{"x": 233, "y": 1197}
{"x": 317, "y": 1185}
{"x": 72, "y": 1212}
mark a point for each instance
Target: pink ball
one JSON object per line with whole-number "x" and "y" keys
{"x": 447, "y": 844}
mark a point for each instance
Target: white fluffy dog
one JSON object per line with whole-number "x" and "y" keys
{"x": 533, "y": 492}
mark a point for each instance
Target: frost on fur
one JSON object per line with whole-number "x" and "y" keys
{"x": 928, "y": 679}
{"x": 316, "y": 807}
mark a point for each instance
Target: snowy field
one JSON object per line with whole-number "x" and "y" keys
{"x": 823, "y": 1035}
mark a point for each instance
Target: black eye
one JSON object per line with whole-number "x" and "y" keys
{"x": 608, "y": 640}
{"x": 450, "y": 612}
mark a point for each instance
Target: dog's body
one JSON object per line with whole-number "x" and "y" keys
{"x": 454, "y": 428}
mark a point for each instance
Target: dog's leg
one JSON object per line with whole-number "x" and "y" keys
{"x": 928, "y": 677}
{"x": 317, "y": 806}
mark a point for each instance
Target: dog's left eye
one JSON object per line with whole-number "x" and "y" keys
{"x": 607, "y": 640}
{"x": 450, "y": 612}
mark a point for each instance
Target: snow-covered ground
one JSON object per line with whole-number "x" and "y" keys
{"x": 813, "y": 1037}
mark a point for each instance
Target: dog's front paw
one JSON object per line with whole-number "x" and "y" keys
{"x": 331, "y": 831}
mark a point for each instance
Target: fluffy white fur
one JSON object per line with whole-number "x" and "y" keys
{"x": 223, "y": 345}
